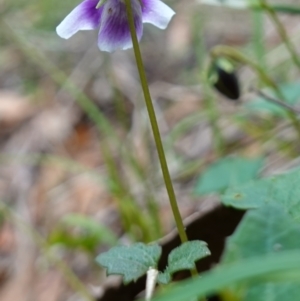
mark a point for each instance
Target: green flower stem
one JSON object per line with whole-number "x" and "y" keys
{"x": 229, "y": 52}
{"x": 281, "y": 31}
{"x": 154, "y": 125}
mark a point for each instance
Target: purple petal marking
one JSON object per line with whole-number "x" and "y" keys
{"x": 83, "y": 17}
{"x": 114, "y": 29}
{"x": 156, "y": 13}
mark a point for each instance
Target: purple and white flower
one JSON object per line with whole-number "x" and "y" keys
{"x": 111, "y": 19}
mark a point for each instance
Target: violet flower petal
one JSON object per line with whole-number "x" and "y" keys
{"x": 83, "y": 17}
{"x": 156, "y": 13}
{"x": 114, "y": 28}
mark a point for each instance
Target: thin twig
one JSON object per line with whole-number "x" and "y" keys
{"x": 277, "y": 102}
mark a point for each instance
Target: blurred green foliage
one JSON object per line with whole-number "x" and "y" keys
{"x": 266, "y": 230}
{"x": 227, "y": 172}
{"x": 77, "y": 231}
{"x": 281, "y": 189}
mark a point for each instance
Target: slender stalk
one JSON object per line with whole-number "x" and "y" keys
{"x": 154, "y": 125}
{"x": 280, "y": 8}
{"x": 278, "y": 102}
{"x": 258, "y": 37}
{"x": 213, "y": 114}
{"x": 281, "y": 31}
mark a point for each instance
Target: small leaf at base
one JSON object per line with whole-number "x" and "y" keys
{"x": 184, "y": 258}
{"x": 130, "y": 261}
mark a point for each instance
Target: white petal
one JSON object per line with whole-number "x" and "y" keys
{"x": 83, "y": 17}
{"x": 156, "y": 13}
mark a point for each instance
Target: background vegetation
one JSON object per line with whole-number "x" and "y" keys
{"x": 79, "y": 171}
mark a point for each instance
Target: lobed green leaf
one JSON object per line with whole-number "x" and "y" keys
{"x": 131, "y": 262}
{"x": 184, "y": 258}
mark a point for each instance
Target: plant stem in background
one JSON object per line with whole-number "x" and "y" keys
{"x": 154, "y": 125}
{"x": 280, "y": 8}
{"x": 278, "y": 102}
{"x": 281, "y": 31}
{"x": 208, "y": 95}
{"x": 258, "y": 37}
{"x": 213, "y": 116}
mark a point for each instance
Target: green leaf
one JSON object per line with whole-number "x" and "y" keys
{"x": 130, "y": 261}
{"x": 262, "y": 231}
{"x": 282, "y": 189}
{"x": 291, "y": 93}
{"x": 184, "y": 258}
{"x": 228, "y": 172}
{"x": 164, "y": 278}
{"x": 257, "y": 235}
{"x": 265, "y": 230}
{"x": 273, "y": 291}
{"x": 284, "y": 265}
